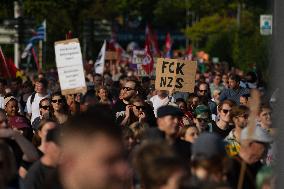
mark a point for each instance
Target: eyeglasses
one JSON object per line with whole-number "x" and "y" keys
{"x": 127, "y": 88}
{"x": 226, "y": 111}
{"x": 45, "y": 107}
{"x": 57, "y": 101}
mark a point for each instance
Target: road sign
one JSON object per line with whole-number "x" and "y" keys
{"x": 266, "y": 24}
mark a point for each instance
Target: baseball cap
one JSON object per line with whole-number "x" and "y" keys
{"x": 258, "y": 135}
{"x": 208, "y": 145}
{"x": 201, "y": 111}
{"x": 169, "y": 110}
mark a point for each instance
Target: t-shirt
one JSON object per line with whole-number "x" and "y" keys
{"x": 34, "y": 107}
{"x": 157, "y": 102}
{"x": 222, "y": 133}
{"x": 37, "y": 175}
{"x": 2, "y": 102}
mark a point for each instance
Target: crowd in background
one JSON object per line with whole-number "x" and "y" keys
{"x": 123, "y": 133}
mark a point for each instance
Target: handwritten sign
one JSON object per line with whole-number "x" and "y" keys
{"x": 70, "y": 66}
{"x": 175, "y": 74}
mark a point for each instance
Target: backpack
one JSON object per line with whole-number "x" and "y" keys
{"x": 32, "y": 98}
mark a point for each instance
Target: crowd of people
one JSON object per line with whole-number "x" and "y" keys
{"x": 123, "y": 133}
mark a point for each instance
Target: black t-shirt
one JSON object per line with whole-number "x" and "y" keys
{"x": 119, "y": 110}
{"x": 249, "y": 177}
{"x": 37, "y": 175}
{"x": 222, "y": 133}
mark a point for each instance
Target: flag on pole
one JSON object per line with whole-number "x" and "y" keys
{"x": 39, "y": 34}
{"x": 100, "y": 62}
{"x": 151, "y": 37}
{"x": 188, "y": 53}
{"x": 8, "y": 67}
{"x": 148, "y": 61}
{"x": 168, "y": 46}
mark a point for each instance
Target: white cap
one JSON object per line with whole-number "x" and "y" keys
{"x": 259, "y": 135}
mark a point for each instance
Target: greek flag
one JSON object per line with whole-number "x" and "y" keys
{"x": 40, "y": 34}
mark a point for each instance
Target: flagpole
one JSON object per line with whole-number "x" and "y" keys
{"x": 4, "y": 61}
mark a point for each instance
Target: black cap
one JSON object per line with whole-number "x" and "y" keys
{"x": 169, "y": 110}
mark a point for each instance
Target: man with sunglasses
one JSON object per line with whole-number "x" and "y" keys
{"x": 204, "y": 95}
{"x": 32, "y": 107}
{"x": 44, "y": 109}
{"x": 239, "y": 116}
{"x": 129, "y": 90}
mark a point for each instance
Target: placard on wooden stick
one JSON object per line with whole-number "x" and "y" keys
{"x": 70, "y": 66}
{"x": 175, "y": 74}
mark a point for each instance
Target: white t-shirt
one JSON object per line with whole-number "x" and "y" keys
{"x": 158, "y": 102}
{"x": 2, "y": 102}
{"x": 34, "y": 107}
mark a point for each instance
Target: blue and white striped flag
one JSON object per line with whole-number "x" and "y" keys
{"x": 40, "y": 34}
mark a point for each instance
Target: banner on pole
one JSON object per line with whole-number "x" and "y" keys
{"x": 69, "y": 64}
{"x": 266, "y": 24}
{"x": 175, "y": 74}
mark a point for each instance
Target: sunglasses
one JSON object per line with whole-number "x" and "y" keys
{"x": 45, "y": 107}
{"x": 225, "y": 111}
{"x": 203, "y": 91}
{"x": 127, "y": 88}
{"x": 57, "y": 101}
{"x": 139, "y": 107}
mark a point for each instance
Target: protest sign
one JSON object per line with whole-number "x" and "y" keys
{"x": 70, "y": 66}
{"x": 175, "y": 74}
{"x": 137, "y": 59}
{"x": 111, "y": 55}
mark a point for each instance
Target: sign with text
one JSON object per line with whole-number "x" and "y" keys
{"x": 175, "y": 74}
{"x": 70, "y": 66}
{"x": 266, "y": 24}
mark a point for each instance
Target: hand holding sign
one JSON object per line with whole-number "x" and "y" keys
{"x": 175, "y": 74}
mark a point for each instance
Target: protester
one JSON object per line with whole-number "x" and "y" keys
{"x": 239, "y": 116}
{"x": 161, "y": 99}
{"x": 235, "y": 91}
{"x": 32, "y": 106}
{"x": 204, "y": 95}
{"x": 149, "y": 158}
{"x": 254, "y": 145}
{"x": 15, "y": 120}
{"x": 128, "y": 91}
{"x": 216, "y": 84}
{"x": 264, "y": 117}
{"x": 167, "y": 120}
{"x": 223, "y": 125}
{"x": 201, "y": 118}
{"x": 103, "y": 95}
{"x": 41, "y": 169}
{"x": 59, "y": 108}
{"x": 92, "y": 139}
{"x": 189, "y": 133}
{"x": 209, "y": 161}
{"x": 44, "y": 109}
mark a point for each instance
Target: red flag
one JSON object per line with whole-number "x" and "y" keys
{"x": 148, "y": 61}
{"x": 151, "y": 37}
{"x": 168, "y": 45}
{"x": 188, "y": 53}
{"x": 8, "y": 66}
